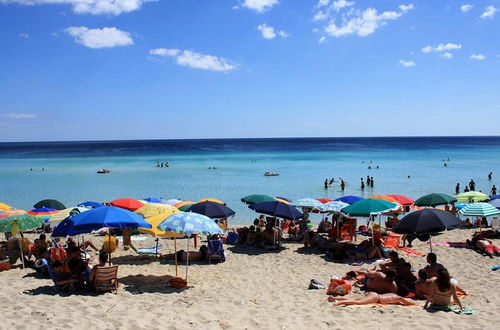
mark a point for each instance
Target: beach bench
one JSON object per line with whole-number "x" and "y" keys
{"x": 106, "y": 279}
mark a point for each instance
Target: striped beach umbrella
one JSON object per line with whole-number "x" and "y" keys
{"x": 479, "y": 210}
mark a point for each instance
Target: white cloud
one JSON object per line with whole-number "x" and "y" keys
{"x": 259, "y": 6}
{"x": 489, "y": 12}
{"x": 322, "y": 3}
{"x": 343, "y": 21}
{"x": 407, "y": 64}
{"x": 24, "y": 35}
{"x": 94, "y": 7}
{"x": 322, "y": 40}
{"x": 478, "y": 57}
{"x": 441, "y": 48}
{"x": 446, "y": 55}
{"x": 466, "y": 7}
{"x": 15, "y": 115}
{"x": 195, "y": 60}
{"x": 268, "y": 32}
{"x": 100, "y": 38}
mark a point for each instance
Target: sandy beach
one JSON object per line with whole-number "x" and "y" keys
{"x": 253, "y": 289}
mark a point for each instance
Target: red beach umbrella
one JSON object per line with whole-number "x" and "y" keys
{"x": 127, "y": 204}
{"x": 324, "y": 200}
{"x": 403, "y": 200}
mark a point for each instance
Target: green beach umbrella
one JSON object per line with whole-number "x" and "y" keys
{"x": 366, "y": 207}
{"x": 51, "y": 203}
{"x": 435, "y": 199}
{"x": 257, "y": 198}
{"x": 479, "y": 210}
{"x": 184, "y": 208}
{"x": 17, "y": 223}
{"x": 472, "y": 196}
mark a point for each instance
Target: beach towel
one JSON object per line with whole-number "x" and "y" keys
{"x": 149, "y": 250}
{"x": 454, "y": 309}
{"x": 495, "y": 267}
{"x": 134, "y": 238}
{"x": 411, "y": 252}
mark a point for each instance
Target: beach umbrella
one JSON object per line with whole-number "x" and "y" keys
{"x": 107, "y": 217}
{"x": 154, "y": 209}
{"x": 257, "y": 198}
{"x": 324, "y": 200}
{"x": 4, "y": 207}
{"x": 495, "y": 197}
{"x": 127, "y": 204}
{"x": 495, "y": 203}
{"x": 367, "y": 207}
{"x": 44, "y": 212}
{"x": 277, "y": 209}
{"x": 172, "y": 201}
{"x": 479, "y": 210}
{"x": 90, "y": 205}
{"x": 11, "y": 212}
{"x": 472, "y": 196}
{"x": 181, "y": 204}
{"x": 427, "y": 221}
{"x": 215, "y": 200}
{"x": 385, "y": 198}
{"x": 333, "y": 206}
{"x": 17, "y": 224}
{"x": 350, "y": 199}
{"x": 189, "y": 223}
{"x": 281, "y": 199}
{"x": 306, "y": 202}
{"x": 51, "y": 203}
{"x": 66, "y": 228}
{"x": 212, "y": 210}
{"x": 185, "y": 207}
{"x": 402, "y": 200}
{"x": 68, "y": 212}
{"x": 153, "y": 200}
{"x": 155, "y": 220}
{"x": 435, "y": 199}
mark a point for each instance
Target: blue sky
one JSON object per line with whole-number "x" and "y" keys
{"x": 135, "y": 69}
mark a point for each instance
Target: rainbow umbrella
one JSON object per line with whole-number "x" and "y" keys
{"x": 5, "y": 207}
{"x": 279, "y": 199}
{"x": 11, "y": 212}
{"x": 44, "y": 212}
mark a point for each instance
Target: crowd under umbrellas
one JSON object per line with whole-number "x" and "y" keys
{"x": 176, "y": 218}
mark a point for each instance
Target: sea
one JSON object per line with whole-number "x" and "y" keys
{"x": 229, "y": 169}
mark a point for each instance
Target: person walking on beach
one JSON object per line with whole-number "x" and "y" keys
{"x": 493, "y": 190}
{"x": 457, "y": 189}
{"x": 362, "y": 184}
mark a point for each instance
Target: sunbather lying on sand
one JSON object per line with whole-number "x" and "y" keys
{"x": 183, "y": 255}
{"x": 487, "y": 246}
{"x": 380, "y": 282}
{"x": 375, "y": 298}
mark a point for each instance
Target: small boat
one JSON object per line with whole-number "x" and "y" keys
{"x": 271, "y": 174}
{"x": 103, "y": 171}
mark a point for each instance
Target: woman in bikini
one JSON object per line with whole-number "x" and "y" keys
{"x": 443, "y": 291}
{"x": 376, "y": 298}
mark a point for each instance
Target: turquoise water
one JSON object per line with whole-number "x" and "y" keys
{"x": 70, "y": 169}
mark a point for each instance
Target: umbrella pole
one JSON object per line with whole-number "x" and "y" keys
{"x": 156, "y": 250}
{"x": 430, "y": 241}
{"x": 187, "y": 259}
{"x": 21, "y": 249}
{"x": 175, "y": 256}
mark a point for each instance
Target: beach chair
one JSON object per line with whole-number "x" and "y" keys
{"x": 392, "y": 240}
{"x": 216, "y": 251}
{"x": 58, "y": 288}
{"x": 106, "y": 279}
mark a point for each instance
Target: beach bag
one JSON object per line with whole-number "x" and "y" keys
{"x": 178, "y": 283}
{"x": 338, "y": 288}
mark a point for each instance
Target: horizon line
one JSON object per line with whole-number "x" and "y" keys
{"x": 256, "y": 138}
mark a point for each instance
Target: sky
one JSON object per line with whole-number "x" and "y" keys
{"x": 168, "y": 69}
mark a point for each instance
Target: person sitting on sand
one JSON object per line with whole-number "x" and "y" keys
{"x": 183, "y": 255}
{"x": 395, "y": 262}
{"x": 84, "y": 246}
{"x": 423, "y": 285}
{"x": 376, "y": 298}
{"x": 468, "y": 223}
{"x": 251, "y": 236}
{"x": 380, "y": 282}
{"x": 433, "y": 266}
{"x": 60, "y": 277}
{"x": 405, "y": 277}
{"x": 270, "y": 235}
{"x": 443, "y": 291}
{"x": 324, "y": 225}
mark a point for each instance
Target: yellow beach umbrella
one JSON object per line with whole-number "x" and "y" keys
{"x": 155, "y": 220}
{"x": 5, "y": 207}
{"x": 181, "y": 204}
{"x": 153, "y": 209}
{"x": 70, "y": 211}
{"x": 282, "y": 200}
{"x": 215, "y": 200}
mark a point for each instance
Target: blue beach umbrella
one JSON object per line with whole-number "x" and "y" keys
{"x": 277, "y": 209}
{"x": 189, "y": 223}
{"x": 153, "y": 200}
{"x": 211, "y": 209}
{"x": 65, "y": 228}
{"x": 350, "y": 199}
{"x": 495, "y": 203}
{"x": 495, "y": 197}
{"x": 107, "y": 217}
{"x": 90, "y": 204}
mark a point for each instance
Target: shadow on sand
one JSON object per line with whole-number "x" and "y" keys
{"x": 139, "y": 284}
{"x": 251, "y": 251}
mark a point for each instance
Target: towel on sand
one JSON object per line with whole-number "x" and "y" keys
{"x": 411, "y": 252}
{"x": 150, "y": 250}
{"x": 454, "y": 309}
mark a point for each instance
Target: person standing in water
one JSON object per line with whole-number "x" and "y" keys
{"x": 493, "y": 190}
{"x": 362, "y": 184}
{"x": 457, "y": 189}
{"x": 326, "y": 183}
{"x": 490, "y": 175}
{"x": 371, "y": 182}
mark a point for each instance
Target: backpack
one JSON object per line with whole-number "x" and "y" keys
{"x": 338, "y": 288}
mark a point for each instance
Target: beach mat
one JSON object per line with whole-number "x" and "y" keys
{"x": 411, "y": 252}
{"x": 454, "y": 309}
{"x": 150, "y": 250}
